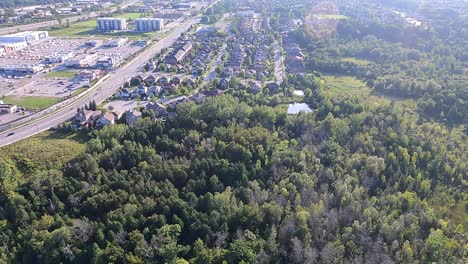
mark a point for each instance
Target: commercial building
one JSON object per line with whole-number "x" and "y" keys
{"x": 8, "y": 108}
{"x": 149, "y": 24}
{"x": 116, "y": 42}
{"x": 12, "y": 47}
{"x": 108, "y": 62}
{"x": 58, "y": 57}
{"x": 111, "y": 23}
{"x": 27, "y": 36}
{"x": 83, "y": 60}
{"x": 21, "y": 69}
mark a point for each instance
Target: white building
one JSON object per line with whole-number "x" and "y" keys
{"x": 12, "y": 47}
{"x": 111, "y": 23}
{"x": 116, "y": 42}
{"x": 83, "y": 60}
{"x": 58, "y": 57}
{"x": 27, "y": 36}
{"x": 149, "y": 24}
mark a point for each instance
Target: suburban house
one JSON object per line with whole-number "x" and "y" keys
{"x": 176, "y": 80}
{"x": 176, "y": 57}
{"x": 87, "y": 117}
{"x": 105, "y": 119}
{"x": 123, "y": 93}
{"x": 272, "y": 86}
{"x": 213, "y": 93}
{"x": 173, "y": 104}
{"x": 188, "y": 81}
{"x": 224, "y": 83}
{"x": 164, "y": 80}
{"x": 255, "y": 87}
{"x": 151, "y": 65}
{"x": 157, "y": 108}
{"x": 142, "y": 90}
{"x": 135, "y": 94}
{"x": 228, "y": 72}
{"x": 132, "y": 116}
{"x": 198, "y": 98}
{"x": 150, "y": 80}
{"x": 154, "y": 90}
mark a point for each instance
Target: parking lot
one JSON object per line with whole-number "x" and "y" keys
{"x": 39, "y": 86}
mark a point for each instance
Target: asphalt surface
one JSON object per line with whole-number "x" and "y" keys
{"x": 105, "y": 90}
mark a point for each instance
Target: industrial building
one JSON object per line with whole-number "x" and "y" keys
{"x": 27, "y": 36}
{"x": 149, "y": 24}
{"x": 111, "y": 23}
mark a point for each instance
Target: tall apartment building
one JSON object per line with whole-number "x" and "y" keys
{"x": 149, "y": 24}
{"x": 111, "y": 23}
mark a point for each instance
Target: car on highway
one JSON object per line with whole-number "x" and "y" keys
{"x": 10, "y": 134}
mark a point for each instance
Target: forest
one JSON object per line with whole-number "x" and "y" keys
{"x": 427, "y": 66}
{"x": 225, "y": 181}
{"x": 379, "y": 177}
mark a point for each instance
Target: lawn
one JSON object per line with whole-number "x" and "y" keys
{"x": 44, "y": 149}
{"x": 61, "y": 74}
{"x": 31, "y": 102}
{"x": 88, "y": 29}
{"x": 357, "y": 61}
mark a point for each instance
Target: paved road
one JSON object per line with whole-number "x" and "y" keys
{"x": 15, "y": 29}
{"x": 109, "y": 87}
{"x": 212, "y": 71}
{"x": 278, "y": 63}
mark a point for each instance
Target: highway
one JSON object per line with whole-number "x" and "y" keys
{"x": 105, "y": 90}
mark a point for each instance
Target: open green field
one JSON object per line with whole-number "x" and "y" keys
{"x": 357, "y": 61}
{"x": 47, "y": 147}
{"x": 31, "y": 102}
{"x": 61, "y": 74}
{"x": 331, "y": 16}
{"x": 338, "y": 85}
{"x": 88, "y": 29}
{"x": 348, "y": 86}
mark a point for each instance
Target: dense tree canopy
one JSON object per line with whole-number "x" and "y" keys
{"x": 227, "y": 181}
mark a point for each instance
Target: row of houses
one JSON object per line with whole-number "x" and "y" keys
{"x": 90, "y": 118}
{"x": 179, "y": 55}
{"x": 294, "y": 56}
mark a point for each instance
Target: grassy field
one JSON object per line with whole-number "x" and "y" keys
{"x": 61, "y": 74}
{"x": 31, "y": 102}
{"x": 357, "y": 61}
{"x": 88, "y": 29}
{"x": 44, "y": 148}
{"x": 348, "y": 86}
